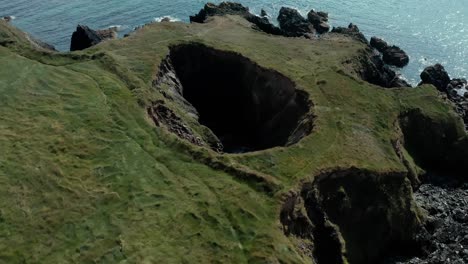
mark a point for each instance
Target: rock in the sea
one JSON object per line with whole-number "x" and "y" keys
{"x": 319, "y": 21}
{"x": 395, "y": 56}
{"x": 437, "y": 76}
{"x": 379, "y": 44}
{"x": 7, "y": 18}
{"x": 228, "y": 8}
{"x": 263, "y": 13}
{"x": 84, "y": 37}
{"x": 352, "y": 31}
{"x": 374, "y": 70}
{"x": 294, "y": 24}
{"x": 224, "y": 8}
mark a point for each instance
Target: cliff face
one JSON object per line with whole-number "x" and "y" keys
{"x": 118, "y": 153}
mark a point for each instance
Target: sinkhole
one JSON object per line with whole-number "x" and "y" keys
{"x": 248, "y": 107}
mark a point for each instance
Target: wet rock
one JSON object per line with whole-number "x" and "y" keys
{"x": 374, "y": 70}
{"x": 437, "y": 76}
{"x": 395, "y": 56}
{"x": 85, "y": 37}
{"x": 352, "y": 31}
{"x": 379, "y": 44}
{"x": 263, "y": 13}
{"x": 319, "y": 21}
{"x": 7, "y": 18}
{"x": 294, "y": 24}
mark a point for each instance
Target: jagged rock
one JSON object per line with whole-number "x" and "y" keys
{"x": 228, "y": 8}
{"x": 352, "y": 31}
{"x": 7, "y": 18}
{"x": 224, "y": 8}
{"x": 437, "y": 76}
{"x": 294, "y": 24}
{"x": 319, "y": 21}
{"x": 379, "y": 44}
{"x": 263, "y": 13}
{"x": 263, "y": 24}
{"x": 84, "y": 37}
{"x": 395, "y": 56}
{"x": 374, "y": 70}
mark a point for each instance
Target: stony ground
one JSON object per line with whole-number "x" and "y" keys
{"x": 445, "y": 238}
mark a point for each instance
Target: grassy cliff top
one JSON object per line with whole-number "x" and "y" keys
{"x": 86, "y": 176}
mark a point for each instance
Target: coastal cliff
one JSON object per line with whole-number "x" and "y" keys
{"x": 216, "y": 141}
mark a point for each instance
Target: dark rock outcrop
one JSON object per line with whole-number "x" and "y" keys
{"x": 374, "y": 70}
{"x": 379, "y": 44}
{"x": 224, "y": 8}
{"x": 7, "y": 18}
{"x": 84, "y": 37}
{"x": 352, "y": 31}
{"x": 373, "y": 212}
{"x": 437, "y": 76}
{"x": 229, "y": 8}
{"x": 395, "y": 56}
{"x": 294, "y": 24}
{"x": 319, "y": 21}
{"x": 263, "y": 13}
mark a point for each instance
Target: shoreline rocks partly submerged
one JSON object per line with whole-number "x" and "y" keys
{"x": 85, "y": 37}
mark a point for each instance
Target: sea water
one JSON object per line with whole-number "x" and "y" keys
{"x": 431, "y": 31}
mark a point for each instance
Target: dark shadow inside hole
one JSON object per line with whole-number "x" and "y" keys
{"x": 248, "y": 107}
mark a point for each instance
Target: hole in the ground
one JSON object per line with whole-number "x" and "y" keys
{"x": 248, "y": 107}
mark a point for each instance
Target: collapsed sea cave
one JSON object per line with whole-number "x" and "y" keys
{"x": 248, "y": 107}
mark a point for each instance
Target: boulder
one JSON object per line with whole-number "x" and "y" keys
{"x": 294, "y": 24}
{"x": 84, "y": 37}
{"x": 263, "y": 13}
{"x": 379, "y": 44}
{"x": 7, "y": 18}
{"x": 352, "y": 31}
{"x": 319, "y": 21}
{"x": 395, "y": 56}
{"x": 437, "y": 76}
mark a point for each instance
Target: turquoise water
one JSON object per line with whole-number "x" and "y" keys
{"x": 430, "y": 31}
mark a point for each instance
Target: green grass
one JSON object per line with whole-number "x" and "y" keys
{"x": 86, "y": 177}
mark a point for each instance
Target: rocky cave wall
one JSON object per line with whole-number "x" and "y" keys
{"x": 247, "y": 107}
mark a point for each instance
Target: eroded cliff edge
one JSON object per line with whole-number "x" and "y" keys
{"x": 120, "y": 143}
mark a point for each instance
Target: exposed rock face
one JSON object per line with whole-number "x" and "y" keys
{"x": 247, "y": 107}
{"x": 374, "y": 213}
{"x": 395, "y": 56}
{"x": 437, "y": 76}
{"x": 294, "y": 24}
{"x": 379, "y": 44}
{"x": 374, "y": 70}
{"x": 444, "y": 238}
{"x": 224, "y": 8}
{"x": 353, "y": 31}
{"x": 435, "y": 145}
{"x": 319, "y": 21}
{"x": 84, "y": 37}
{"x": 263, "y": 13}
{"x": 229, "y": 8}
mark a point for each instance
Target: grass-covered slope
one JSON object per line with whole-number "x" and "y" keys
{"x": 86, "y": 176}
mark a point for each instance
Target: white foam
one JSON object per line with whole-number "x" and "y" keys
{"x": 171, "y": 19}
{"x": 118, "y": 27}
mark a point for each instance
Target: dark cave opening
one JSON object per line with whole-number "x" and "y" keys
{"x": 249, "y": 108}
